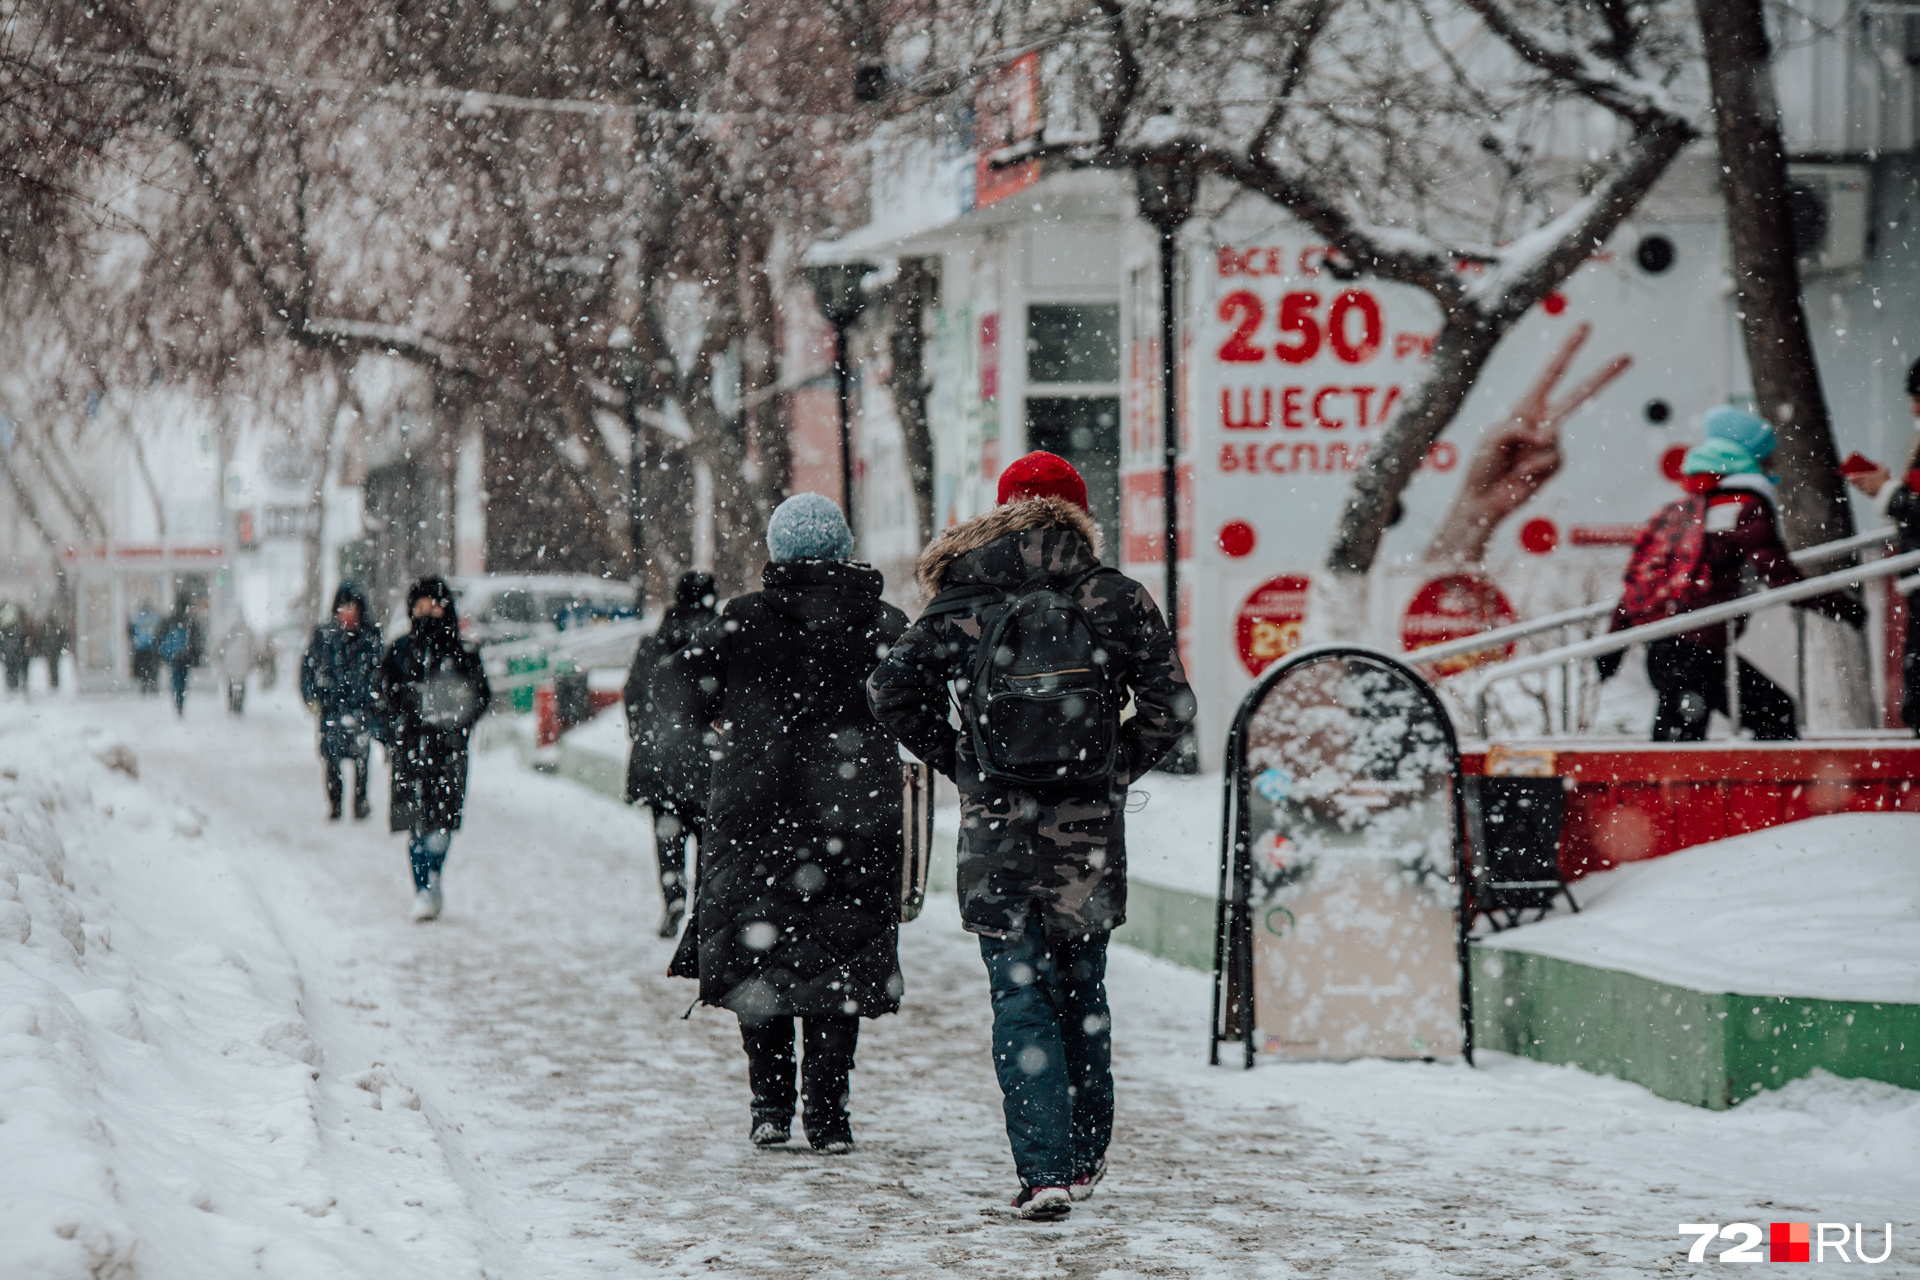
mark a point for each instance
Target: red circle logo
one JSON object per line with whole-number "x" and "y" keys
{"x": 1236, "y": 538}
{"x": 1267, "y": 628}
{"x": 1554, "y": 303}
{"x": 1671, "y": 461}
{"x": 1539, "y": 536}
{"x": 1453, "y": 607}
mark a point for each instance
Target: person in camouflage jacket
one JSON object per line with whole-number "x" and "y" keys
{"x": 1041, "y": 873}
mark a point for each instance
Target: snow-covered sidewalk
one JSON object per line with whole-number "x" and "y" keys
{"x": 258, "y": 1067}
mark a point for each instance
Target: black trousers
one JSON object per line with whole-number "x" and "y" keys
{"x": 824, "y": 1068}
{"x": 671, "y": 828}
{"x": 1910, "y": 666}
{"x": 1691, "y": 680}
{"x": 359, "y": 783}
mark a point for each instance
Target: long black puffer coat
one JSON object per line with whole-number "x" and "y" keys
{"x": 432, "y": 690}
{"x": 798, "y": 906}
{"x": 671, "y": 765}
{"x": 340, "y": 675}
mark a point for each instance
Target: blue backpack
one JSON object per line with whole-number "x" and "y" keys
{"x": 173, "y": 645}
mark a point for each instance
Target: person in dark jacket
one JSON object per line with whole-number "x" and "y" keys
{"x": 183, "y": 645}
{"x": 669, "y": 768}
{"x": 1897, "y": 498}
{"x": 1042, "y": 873}
{"x": 54, "y": 640}
{"x": 432, "y": 691}
{"x": 797, "y": 909}
{"x": 143, "y": 646}
{"x": 340, "y": 679}
{"x": 16, "y": 645}
{"x": 1741, "y": 538}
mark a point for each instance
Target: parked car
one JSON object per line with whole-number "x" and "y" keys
{"x": 499, "y": 607}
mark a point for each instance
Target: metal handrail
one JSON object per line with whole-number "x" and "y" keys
{"x": 1484, "y": 640}
{"x": 1681, "y": 623}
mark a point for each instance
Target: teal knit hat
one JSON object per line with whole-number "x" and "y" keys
{"x": 1749, "y": 431}
{"x": 1719, "y": 458}
{"x": 809, "y": 526}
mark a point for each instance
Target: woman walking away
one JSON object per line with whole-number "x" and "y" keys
{"x": 432, "y": 690}
{"x": 340, "y": 679}
{"x": 233, "y": 655}
{"x": 669, "y": 768}
{"x": 796, "y": 914}
{"x": 1898, "y": 499}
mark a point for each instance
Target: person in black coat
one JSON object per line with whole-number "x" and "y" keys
{"x": 340, "y": 679}
{"x": 432, "y": 690}
{"x": 670, "y": 765}
{"x": 797, "y": 909}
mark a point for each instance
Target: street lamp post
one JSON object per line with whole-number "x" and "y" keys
{"x": 1164, "y": 191}
{"x": 836, "y": 286}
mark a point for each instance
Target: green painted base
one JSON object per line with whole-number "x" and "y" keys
{"x": 1710, "y": 1050}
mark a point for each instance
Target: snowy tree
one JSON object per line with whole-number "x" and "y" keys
{"x": 1478, "y": 150}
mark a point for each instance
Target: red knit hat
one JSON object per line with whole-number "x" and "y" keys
{"x": 1042, "y": 475}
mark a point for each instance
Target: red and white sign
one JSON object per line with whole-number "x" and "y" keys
{"x": 1453, "y": 607}
{"x": 1267, "y": 628}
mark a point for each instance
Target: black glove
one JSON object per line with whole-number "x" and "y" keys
{"x": 1608, "y": 664}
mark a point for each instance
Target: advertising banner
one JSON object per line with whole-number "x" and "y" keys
{"x": 1346, "y": 888}
{"x": 1292, "y": 371}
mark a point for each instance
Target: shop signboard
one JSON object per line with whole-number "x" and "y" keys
{"x": 1341, "y": 935}
{"x": 1292, "y": 369}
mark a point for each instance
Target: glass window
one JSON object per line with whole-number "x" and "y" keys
{"x": 1073, "y": 343}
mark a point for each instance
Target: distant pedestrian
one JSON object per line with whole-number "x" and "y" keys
{"x": 183, "y": 646}
{"x": 340, "y": 679}
{"x": 54, "y": 640}
{"x": 1698, "y": 551}
{"x": 1040, "y": 646}
{"x": 16, "y": 645}
{"x": 797, "y": 909}
{"x": 143, "y": 647}
{"x": 432, "y": 691}
{"x": 1897, "y": 498}
{"x": 233, "y": 656}
{"x": 670, "y": 764}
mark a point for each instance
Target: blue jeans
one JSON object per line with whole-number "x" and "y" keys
{"x": 428, "y": 851}
{"x": 180, "y": 673}
{"x": 1052, "y": 1049}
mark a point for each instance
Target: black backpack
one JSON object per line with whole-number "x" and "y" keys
{"x": 1040, "y": 700}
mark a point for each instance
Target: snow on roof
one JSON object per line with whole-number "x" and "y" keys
{"x": 1828, "y": 908}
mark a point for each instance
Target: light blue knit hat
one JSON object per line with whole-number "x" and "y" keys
{"x": 809, "y": 526}
{"x": 1737, "y": 426}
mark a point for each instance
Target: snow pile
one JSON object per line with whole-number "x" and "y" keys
{"x": 1828, "y": 908}
{"x": 161, "y": 1105}
{"x": 605, "y": 734}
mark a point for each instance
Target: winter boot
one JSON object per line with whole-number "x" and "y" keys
{"x": 670, "y": 918}
{"x": 427, "y": 902}
{"x": 1043, "y": 1204}
{"x": 333, "y": 810}
{"x": 1083, "y": 1185}
{"x": 771, "y": 1133}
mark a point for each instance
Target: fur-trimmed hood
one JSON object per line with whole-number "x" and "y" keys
{"x": 1030, "y": 515}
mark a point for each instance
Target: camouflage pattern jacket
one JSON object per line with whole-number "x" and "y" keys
{"x": 1064, "y": 852}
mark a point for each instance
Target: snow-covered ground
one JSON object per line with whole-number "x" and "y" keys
{"x": 1827, "y": 908}
{"x": 258, "y": 1067}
